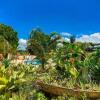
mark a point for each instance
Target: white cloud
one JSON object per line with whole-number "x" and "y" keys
{"x": 95, "y": 35}
{"x": 95, "y": 38}
{"x": 67, "y": 39}
{"x": 22, "y": 41}
{"x": 22, "y": 44}
{"x": 85, "y": 36}
{"x": 65, "y": 34}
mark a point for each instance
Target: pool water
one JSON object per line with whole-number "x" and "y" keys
{"x": 33, "y": 62}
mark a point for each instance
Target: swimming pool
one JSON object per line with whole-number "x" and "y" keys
{"x": 33, "y": 62}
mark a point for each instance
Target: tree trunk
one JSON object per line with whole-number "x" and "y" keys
{"x": 43, "y": 63}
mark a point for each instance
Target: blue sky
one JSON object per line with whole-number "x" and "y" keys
{"x": 78, "y": 17}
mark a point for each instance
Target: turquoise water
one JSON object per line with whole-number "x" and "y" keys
{"x": 33, "y": 62}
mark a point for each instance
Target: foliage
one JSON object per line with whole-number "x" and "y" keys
{"x": 67, "y": 59}
{"x": 4, "y": 45}
{"x": 9, "y": 35}
{"x": 41, "y": 44}
{"x": 94, "y": 65}
{"x": 6, "y": 62}
{"x": 72, "y": 39}
{"x": 74, "y": 62}
{"x": 70, "y": 66}
{"x": 16, "y": 82}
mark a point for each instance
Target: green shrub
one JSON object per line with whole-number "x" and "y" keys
{"x": 6, "y": 62}
{"x": 94, "y": 65}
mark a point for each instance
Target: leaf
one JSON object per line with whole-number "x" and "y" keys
{"x": 74, "y": 72}
{"x": 2, "y": 87}
{"x": 20, "y": 81}
{"x": 3, "y": 80}
{"x": 21, "y": 75}
{"x": 12, "y": 87}
{"x": 75, "y": 55}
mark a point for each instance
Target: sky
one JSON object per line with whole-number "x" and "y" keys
{"x": 77, "y": 17}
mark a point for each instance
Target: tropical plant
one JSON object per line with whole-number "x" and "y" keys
{"x": 72, "y": 39}
{"x": 94, "y": 65}
{"x": 6, "y": 62}
{"x": 9, "y": 36}
{"x": 41, "y": 44}
{"x": 19, "y": 82}
{"x": 4, "y": 45}
{"x": 16, "y": 82}
{"x": 72, "y": 62}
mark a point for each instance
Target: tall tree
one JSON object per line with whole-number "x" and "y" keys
{"x": 9, "y": 36}
{"x": 40, "y": 44}
{"x": 72, "y": 39}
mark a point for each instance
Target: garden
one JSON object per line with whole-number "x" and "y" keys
{"x": 68, "y": 70}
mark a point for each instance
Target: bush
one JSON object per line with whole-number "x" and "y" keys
{"x": 6, "y": 62}
{"x": 94, "y": 64}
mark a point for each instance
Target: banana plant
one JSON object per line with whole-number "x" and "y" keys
{"x": 71, "y": 60}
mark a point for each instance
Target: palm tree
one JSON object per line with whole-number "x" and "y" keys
{"x": 41, "y": 44}
{"x": 72, "y": 39}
